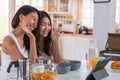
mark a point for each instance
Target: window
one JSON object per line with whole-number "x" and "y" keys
{"x": 3, "y": 18}
{"x": 117, "y": 12}
{"x": 39, "y": 4}
{"x": 87, "y": 13}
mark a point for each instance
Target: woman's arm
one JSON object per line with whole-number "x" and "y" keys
{"x": 9, "y": 47}
{"x": 56, "y": 52}
{"x": 55, "y": 47}
{"x": 33, "y": 50}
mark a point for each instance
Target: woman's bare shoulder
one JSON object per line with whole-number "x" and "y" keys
{"x": 7, "y": 44}
{"x": 10, "y": 48}
{"x": 7, "y": 41}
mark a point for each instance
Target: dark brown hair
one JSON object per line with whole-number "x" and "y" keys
{"x": 25, "y": 10}
{"x": 47, "y": 40}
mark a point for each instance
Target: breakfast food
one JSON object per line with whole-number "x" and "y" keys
{"x": 43, "y": 76}
{"x": 116, "y": 65}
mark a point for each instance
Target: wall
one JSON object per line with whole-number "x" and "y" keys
{"x": 104, "y": 22}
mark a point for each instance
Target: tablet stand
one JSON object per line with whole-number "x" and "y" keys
{"x": 98, "y": 75}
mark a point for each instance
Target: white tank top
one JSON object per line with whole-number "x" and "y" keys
{"x": 6, "y": 59}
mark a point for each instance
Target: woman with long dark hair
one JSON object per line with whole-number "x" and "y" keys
{"x": 49, "y": 46}
{"x": 21, "y": 42}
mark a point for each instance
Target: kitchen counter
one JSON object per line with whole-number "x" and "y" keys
{"x": 77, "y": 35}
{"x": 74, "y": 46}
{"x": 83, "y": 72}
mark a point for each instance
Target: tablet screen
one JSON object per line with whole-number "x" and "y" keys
{"x": 101, "y": 64}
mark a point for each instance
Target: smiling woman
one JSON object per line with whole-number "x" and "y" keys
{"x": 21, "y": 42}
{"x": 3, "y": 18}
{"x": 8, "y": 9}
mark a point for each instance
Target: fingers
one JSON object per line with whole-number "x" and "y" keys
{"x": 22, "y": 26}
{"x": 56, "y": 31}
{"x": 55, "y": 34}
{"x": 27, "y": 31}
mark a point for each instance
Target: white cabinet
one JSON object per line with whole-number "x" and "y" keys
{"x": 74, "y": 47}
{"x": 81, "y": 47}
{"x": 68, "y": 46}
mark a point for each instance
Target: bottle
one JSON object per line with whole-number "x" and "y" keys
{"x": 92, "y": 53}
{"x": 77, "y": 28}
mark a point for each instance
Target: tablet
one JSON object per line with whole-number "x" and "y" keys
{"x": 99, "y": 69}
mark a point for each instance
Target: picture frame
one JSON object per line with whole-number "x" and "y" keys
{"x": 101, "y": 1}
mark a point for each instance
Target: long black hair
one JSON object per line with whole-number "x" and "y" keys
{"x": 25, "y": 10}
{"x": 47, "y": 39}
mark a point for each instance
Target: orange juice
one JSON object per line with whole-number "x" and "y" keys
{"x": 94, "y": 62}
{"x": 43, "y": 75}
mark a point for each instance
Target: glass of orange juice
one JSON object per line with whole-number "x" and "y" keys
{"x": 94, "y": 61}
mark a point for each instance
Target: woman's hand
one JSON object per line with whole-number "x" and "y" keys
{"x": 26, "y": 30}
{"x": 55, "y": 33}
{"x": 55, "y": 47}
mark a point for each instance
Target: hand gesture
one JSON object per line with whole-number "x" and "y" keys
{"x": 55, "y": 33}
{"x": 26, "y": 30}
